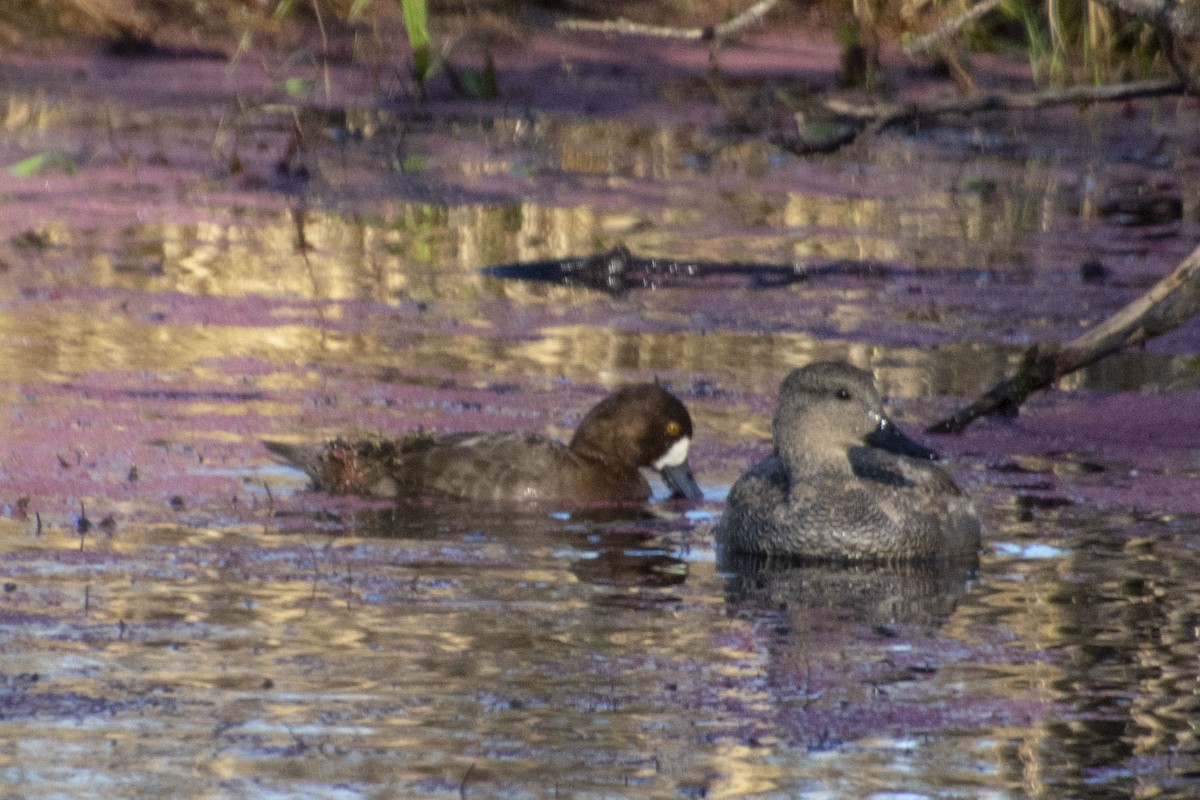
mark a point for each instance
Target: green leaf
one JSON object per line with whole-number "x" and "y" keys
{"x": 421, "y": 66}
{"x": 297, "y": 87}
{"x": 46, "y": 160}
{"x": 480, "y": 85}
{"x": 29, "y": 166}
{"x": 416, "y": 23}
{"x": 821, "y": 130}
{"x": 847, "y": 35}
{"x": 411, "y": 163}
{"x": 471, "y": 82}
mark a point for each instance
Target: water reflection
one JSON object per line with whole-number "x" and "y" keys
{"x": 858, "y": 595}
{"x": 184, "y": 275}
{"x": 604, "y": 652}
{"x": 630, "y": 547}
{"x": 168, "y": 321}
{"x": 1138, "y": 632}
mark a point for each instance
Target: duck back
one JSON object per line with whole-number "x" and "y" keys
{"x": 504, "y": 467}
{"x": 510, "y": 467}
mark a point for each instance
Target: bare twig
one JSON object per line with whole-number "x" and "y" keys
{"x": 950, "y": 28}
{"x": 1167, "y": 305}
{"x": 870, "y": 119}
{"x": 623, "y": 26}
{"x": 892, "y": 113}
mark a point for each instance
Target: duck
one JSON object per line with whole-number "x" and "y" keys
{"x": 635, "y": 427}
{"x": 844, "y": 484}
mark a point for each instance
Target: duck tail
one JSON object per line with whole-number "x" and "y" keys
{"x": 301, "y": 456}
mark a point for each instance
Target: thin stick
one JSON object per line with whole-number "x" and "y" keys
{"x": 949, "y": 29}
{"x": 623, "y": 26}
{"x": 891, "y": 113}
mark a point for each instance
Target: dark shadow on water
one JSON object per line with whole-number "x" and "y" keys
{"x": 622, "y": 546}
{"x": 425, "y": 520}
{"x": 617, "y": 271}
{"x": 835, "y": 594}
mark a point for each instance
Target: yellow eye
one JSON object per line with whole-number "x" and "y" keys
{"x": 673, "y": 429}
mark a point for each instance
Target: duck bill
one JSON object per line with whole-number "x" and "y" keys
{"x": 889, "y": 437}
{"x": 681, "y": 482}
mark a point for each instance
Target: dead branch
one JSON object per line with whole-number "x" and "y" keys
{"x": 949, "y": 29}
{"x": 892, "y": 113}
{"x": 1166, "y": 306}
{"x": 623, "y": 26}
{"x": 872, "y": 118}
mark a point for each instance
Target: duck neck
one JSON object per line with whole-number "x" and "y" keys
{"x": 601, "y": 449}
{"x": 802, "y": 462}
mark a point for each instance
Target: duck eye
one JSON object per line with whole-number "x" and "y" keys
{"x": 673, "y": 429}
{"x": 842, "y": 393}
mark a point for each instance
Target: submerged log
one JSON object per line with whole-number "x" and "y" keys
{"x": 617, "y": 271}
{"x": 1164, "y": 307}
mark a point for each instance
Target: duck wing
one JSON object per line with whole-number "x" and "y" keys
{"x": 503, "y": 467}
{"x": 881, "y": 466}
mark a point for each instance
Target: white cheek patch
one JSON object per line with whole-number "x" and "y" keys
{"x": 675, "y": 455}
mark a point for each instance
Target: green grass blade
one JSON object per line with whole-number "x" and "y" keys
{"x": 34, "y": 164}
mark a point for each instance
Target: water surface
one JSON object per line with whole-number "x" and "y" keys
{"x": 181, "y": 618}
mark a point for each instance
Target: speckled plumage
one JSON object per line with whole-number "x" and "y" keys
{"x": 829, "y": 492}
{"x": 634, "y": 427}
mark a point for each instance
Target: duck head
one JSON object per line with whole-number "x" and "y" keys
{"x": 827, "y": 408}
{"x": 642, "y": 425}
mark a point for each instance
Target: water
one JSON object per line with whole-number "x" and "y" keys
{"x": 181, "y": 619}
